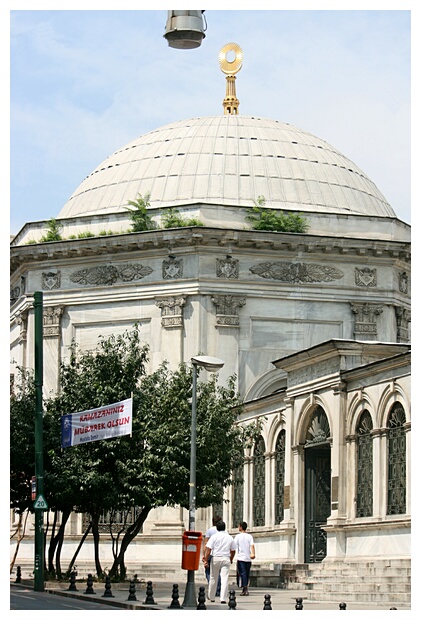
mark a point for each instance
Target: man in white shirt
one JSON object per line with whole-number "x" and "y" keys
{"x": 208, "y": 534}
{"x": 244, "y": 546}
{"x": 222, "y": 547}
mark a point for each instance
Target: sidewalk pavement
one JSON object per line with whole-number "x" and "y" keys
{"x": 163, "y": 591}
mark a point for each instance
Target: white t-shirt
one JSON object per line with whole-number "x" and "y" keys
{"x": 210, "y": 531}
{"x": 243, "y": 542}
{"x": 221, "y": 544}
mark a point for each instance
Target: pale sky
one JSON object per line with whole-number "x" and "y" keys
{"x": 83, "y": 83}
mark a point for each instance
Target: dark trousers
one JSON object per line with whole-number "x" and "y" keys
{"x": 243, "y": 569}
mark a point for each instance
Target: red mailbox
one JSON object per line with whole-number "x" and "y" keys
{"x": 192, "y": 546}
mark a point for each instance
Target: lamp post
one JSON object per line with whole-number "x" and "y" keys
{"x": 211, "y": 364}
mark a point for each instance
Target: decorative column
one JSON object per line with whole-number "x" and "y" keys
{"x": 351, "y": 496}
{"x": 379, "y": 490}
{"x": 171, "y": 310}
{"x": 298, "y": 500}
{"x": 270, "y": 462}
{"x": 227, "y": 307}
{"x": 23, "y": 325}
{"x": 366, "y": 314}
{"x": 172, "y": 322}
{"x": 403, "y": 317}
{"x": 248, "y": 490}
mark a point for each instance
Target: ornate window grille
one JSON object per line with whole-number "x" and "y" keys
{"x": 280, "y": 477}
{"x": 238, "y": 496}
{"x": 114, "y": 520}
{"x": 396, "y": 483}
{"x": 259, "y": 483}
{"x": 364, "y": 465}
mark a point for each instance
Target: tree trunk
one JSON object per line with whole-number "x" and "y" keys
{"x": 118, "y": 567}
{"x": 65, "y": 517}
{"x": 52, "y": 545}
{"x": 73, "y": 560}
{"x": 20, "y": 535}
{"x": 95, "y": 532}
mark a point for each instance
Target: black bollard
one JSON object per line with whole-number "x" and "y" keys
{"x": 201, "y": 599}
{"x": 18, "y": 574}
{"x": 107, "y": 591}
{"x": 232, "y": 603}
{"x": 149, "y": 600}
{"x": 89, "y": 584}
{"x": 72, "y": 586}
{"x": 132, "y": 591}
{"x": 267, "y": 603}
{"x": 175, "y": 603}
{"x": 299, "y": 603}
{"x": 342, "y": 605}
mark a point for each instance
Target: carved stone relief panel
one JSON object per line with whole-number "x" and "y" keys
{"x": 172, "y": 268}
{"x": 227, "y": 268}
{"x": 17, "y": 290}
{"x": 14, "y": 294}
{"x": 310, "y": 373}
{"x": 403, "y": 282}
{"x": 227, "y": 307}
{"x": 366, "y": 314}
{"x": 51, "y": 320}
{"x": 23, "y": 324}
{"x": 171, "y": 310}
{"x": 109, "y": 274}
{"x": 365, "y": 277}
{"x": 297, "y": 273}
{"x": 51, "y": 280}
{"x": 403, "y": 317}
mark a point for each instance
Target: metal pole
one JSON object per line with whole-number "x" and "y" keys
{"x": 39, "y": 447}
{"x": 190, "y": 593}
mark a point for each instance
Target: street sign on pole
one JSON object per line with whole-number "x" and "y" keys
{"x": 40, "y": 503}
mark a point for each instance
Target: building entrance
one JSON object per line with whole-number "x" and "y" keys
{"x": 317, "y": 501}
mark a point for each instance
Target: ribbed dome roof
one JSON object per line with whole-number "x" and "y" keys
{"x": 229, "y": 160}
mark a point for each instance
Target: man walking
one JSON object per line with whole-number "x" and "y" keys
{"x": 244, "y": 546}
{"x": 222, "y": 547}
{"x": 208, "y": 534}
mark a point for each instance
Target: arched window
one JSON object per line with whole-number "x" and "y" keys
{"x": 259, "y": 483}
{"x": 238, "y": 495}
{"x": 364, "y": 465}
{"x": 396, "y": 444}
{"x": 280, "y": 477}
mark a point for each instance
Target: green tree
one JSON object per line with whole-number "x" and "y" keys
{"x": 53, "y": 231}
{"x": 172, "y": 218}
{"x": 22, "y": 439}
{"x": 141, "y": 220}
{"x": 87, "y": 477}
{"x": 262, "y": 218}
{"x": 158, "y": 472}
{"x": 151, "y": 467}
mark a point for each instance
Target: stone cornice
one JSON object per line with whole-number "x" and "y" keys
{"x": 169, "y": 240}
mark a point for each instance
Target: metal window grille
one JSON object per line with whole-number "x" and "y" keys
{"x": 259, "y": 483}
{"x": 238, "y": 496}
{"x": 280, "y": 477}
{"x": 117, "y": 520}
{"x": 396, "y": 483}
{"x": 365, "y": 465}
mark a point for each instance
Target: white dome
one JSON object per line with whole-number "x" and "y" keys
{"x": 229, "y": 160}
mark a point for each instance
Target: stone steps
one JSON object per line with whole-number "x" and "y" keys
{"x": 372, "y": 581}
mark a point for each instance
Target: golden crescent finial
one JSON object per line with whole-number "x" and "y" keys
{"x": 231, "y": 67}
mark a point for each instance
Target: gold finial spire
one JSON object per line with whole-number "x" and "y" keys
{"x": 230, "y": 68}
